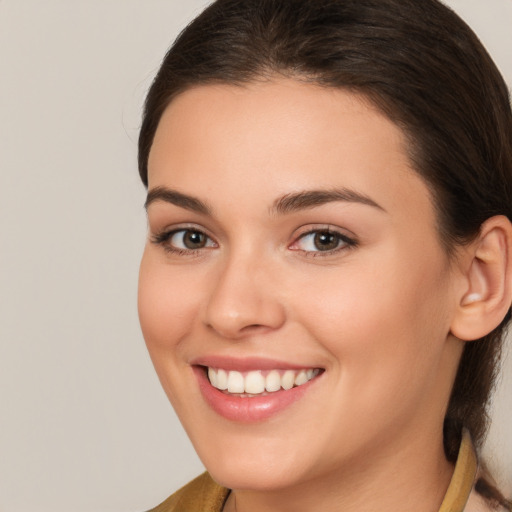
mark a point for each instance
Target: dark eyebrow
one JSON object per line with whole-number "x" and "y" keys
{"x": 177, "y": 198}
{"x": 311, "y": 198}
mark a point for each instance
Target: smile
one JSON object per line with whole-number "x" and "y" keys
{"x": 259, "y": 382}
{"x": 252, "y": 390}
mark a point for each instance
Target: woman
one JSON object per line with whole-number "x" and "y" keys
{"x": 328, "y": 269}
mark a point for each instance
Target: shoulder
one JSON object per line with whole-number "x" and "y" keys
{"x": 202, "y": 493}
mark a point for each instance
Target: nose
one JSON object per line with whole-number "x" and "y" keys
{"x": 244, "y": 299}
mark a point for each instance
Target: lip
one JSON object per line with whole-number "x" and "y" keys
{"x": 248, "y": 409}
{"x": 245, "y": 364}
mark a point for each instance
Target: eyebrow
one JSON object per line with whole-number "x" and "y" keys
{"x": 177, "y": 198}
{"x": 287, "y": 204}
{"x": 312, "y": 198}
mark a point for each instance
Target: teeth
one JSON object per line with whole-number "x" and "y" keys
{"x": 222, "y": 379}
{"x": 235, "y": 382}
{"x": 288, "y": 379}
{"x": 255, "y": 382}
{"x": 273, "y": 381}
{"x": 212, "y": 375}
{"x": 301, "y": 378}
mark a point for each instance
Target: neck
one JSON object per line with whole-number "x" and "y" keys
{"x": 411, "y": 476}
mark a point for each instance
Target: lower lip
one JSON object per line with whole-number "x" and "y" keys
{"x": 248, "y": 409}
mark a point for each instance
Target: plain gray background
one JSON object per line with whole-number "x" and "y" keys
{"x": 84, "y": 425}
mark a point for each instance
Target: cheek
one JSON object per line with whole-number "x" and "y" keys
{"x": 378, "y": 314}
{"x": 385, "y": 330}
{"x": 167, "y": 308}
{"x": 166, "y": 302}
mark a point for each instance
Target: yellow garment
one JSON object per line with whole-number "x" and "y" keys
{"x": 463, "y": 477}
{"x": 204, "y": 495}
{"x": 200, "y": 495}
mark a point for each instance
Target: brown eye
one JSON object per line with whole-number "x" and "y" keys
{"x": 322, "y": 241}
{"x": 194, "y": 239}
{"x": 326, "y": 241}
{"x": 186, "y": 240}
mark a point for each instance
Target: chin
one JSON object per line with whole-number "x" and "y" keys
{"x": 256, "y": 464}
{"x": 251, "y": 477}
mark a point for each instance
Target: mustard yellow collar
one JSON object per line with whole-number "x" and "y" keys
{"x": 463, "y": 477}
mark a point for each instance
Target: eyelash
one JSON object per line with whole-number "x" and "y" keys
{"x": 163, "y": 239}
{"x": 345, "y": 241}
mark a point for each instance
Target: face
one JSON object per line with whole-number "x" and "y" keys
{"x": 293, "y": 256}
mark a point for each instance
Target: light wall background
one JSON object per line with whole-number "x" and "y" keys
{"x": 84, "y": 425}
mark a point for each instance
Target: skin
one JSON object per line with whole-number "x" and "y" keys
{"x": 376, "y": 316}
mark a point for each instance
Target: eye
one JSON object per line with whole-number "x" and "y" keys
{"x": 324, "y": 240}
{"x": 188, "y": 239}
{"x": 184, "y": 240}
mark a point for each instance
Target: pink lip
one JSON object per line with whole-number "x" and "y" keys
{"x": 248, "y": 409}
{"x": 245, "y": 364}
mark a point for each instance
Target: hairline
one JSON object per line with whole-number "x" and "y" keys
{"x": 411, "y": 146}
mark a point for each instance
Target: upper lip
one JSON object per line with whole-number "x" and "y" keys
{"x": 247, "y": 364}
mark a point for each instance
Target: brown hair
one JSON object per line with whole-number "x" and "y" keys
{"x": 426, "y": 70}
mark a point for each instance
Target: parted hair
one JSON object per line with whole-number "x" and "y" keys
{"x": 426, "y": 70}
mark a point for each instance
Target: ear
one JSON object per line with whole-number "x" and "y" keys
{"x": 486, "y": 294}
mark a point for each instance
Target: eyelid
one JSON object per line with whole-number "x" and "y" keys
{"x": 167, "y": 229}
{"x": 163, "y": 236}
{"x": 349, "y": 241}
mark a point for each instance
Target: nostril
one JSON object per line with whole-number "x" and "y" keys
{"x": 253, "y": 327}
{"x": 226, "y": 332}
{"x": 234, "y": 310}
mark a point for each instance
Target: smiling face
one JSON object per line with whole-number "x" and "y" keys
{"x": 291, "y": 244}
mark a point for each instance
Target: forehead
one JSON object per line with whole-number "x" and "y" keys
{"x": 271, "y": 138}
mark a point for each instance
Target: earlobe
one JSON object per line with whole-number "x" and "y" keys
{"x": 487, "y": 293}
